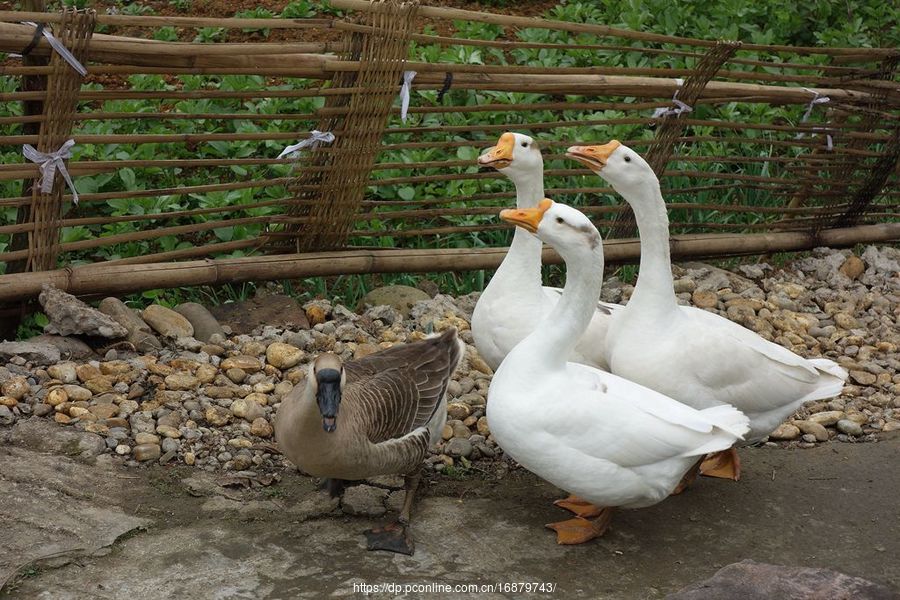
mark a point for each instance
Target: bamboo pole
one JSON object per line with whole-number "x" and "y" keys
{"x": 10, "y": 16}
{"x": 120, "y": 279}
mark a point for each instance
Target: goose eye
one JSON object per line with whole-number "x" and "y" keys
{"x": 627, "y": 158}
{"x": 559, "y": 220}
{"x": 524, "y": 144}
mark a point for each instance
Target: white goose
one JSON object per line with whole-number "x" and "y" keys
{"x": 697, "y": 357}
{"x": 610, "y": 441}
{"x": 516, "y": 286}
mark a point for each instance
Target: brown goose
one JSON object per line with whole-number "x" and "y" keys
{"x": 374, "y": 416}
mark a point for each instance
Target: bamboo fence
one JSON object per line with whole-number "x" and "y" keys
{"x": 176, "y": 143}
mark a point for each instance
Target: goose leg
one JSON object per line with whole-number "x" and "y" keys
{"x": 689, "y": 478}
{"x": 394, "y": 537}
{"x": 579, "y": 507}
{"x": 334, "y": 487}
{"x": 580, "y": 530}
{"x": 725, "y": 464}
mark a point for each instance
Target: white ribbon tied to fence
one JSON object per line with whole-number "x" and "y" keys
{"x": 50, "y": 163}
{"x": 315, "y": 138}
{"x": 816, "y": 99}
{"x": 680, "y": 107}
{"x": 405, "y": 91}
{"x": 60, "y": 48}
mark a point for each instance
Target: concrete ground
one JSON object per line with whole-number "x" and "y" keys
{"x": 75, "y": 530}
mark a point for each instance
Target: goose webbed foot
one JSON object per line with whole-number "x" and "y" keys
{"x": 395, "y": 537}
{"x": 580, "y": 530}
{"x": 725, "y": 465}
{"x": 579, "y": 507}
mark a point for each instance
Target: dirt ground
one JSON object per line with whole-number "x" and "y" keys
{"x": 112, "y": 532}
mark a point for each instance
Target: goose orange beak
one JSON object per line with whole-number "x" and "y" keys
{"x": 593, "y": 157}
{"x": 527, "y": 218}
{"x": 501, "y": 155}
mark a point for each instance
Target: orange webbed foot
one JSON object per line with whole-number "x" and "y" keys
{"x": 725, "y": 465}
{"x": 580, "y": 530}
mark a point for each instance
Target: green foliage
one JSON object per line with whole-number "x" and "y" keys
{"x": 850, "y": 23}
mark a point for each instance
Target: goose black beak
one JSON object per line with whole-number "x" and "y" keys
{"x": 328, "y": 397}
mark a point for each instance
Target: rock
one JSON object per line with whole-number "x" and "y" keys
{"x": 384, "y": 313}
{"x": 6, "y": 415}
{"x": 704, "y": 298}
{"x": 261, "y": 427}
{"x": 77, "y": 393}
{"x": 785, "y": 431}
{"x": 182, "y": 381}
{"x": 863, "y": 377}
{"x": 44, "y": 436}
{"x": 70, "y": 316}
{"x": 399, "y": 297}
{"x": 64, "y": 372}
{"x": 166, "y": 322}
{"x": 145, "y": 452}
{"x": 749, "y": 580}
{"x": 15, "y": 387}
{"x": 247, "y": 363}
{"x": 685, "y": 284}
{"x": 853, "y": 267}
{"x": 283, "y": 356}
{"x": 247, "y": 410}
{"x": 273, "y": 310}
{"x": 216, "y": 415}
{"x": 364, "y": 500}
{"x": 458, "y": 447}
{"x": 34, "y": 352}
{"x": 236, "y": 375}
{"x": 849, "y": 427}
{"x": 827, "y": 418}
{"x": 812, "y": 428}
{"x": 204, "y": 323}
{"x": 458, "y": 410}
{"x": 146, "y": 438}
{"x": 139, "y": 333}
{"x": 104, "y": 411}
{"x": 70, "y": 348}
{"x": 482, "y": 426}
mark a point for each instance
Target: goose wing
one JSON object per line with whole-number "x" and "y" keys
{"x": 399, "y": 389}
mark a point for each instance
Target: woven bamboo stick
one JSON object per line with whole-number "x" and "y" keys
{"x": 172, "y": 21}
{"x": 128, "y": 278}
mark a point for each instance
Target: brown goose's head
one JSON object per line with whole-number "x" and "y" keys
{"x": 328, "y": 379}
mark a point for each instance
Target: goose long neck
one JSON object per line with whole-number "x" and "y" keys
{"x": 654, "y": 285}
{"x": 521, "y": 269}
{"x": 558, "y": 333}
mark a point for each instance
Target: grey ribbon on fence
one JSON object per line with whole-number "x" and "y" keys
{"x": 60, "y": 49}
{"x": 405, "y": 90}
{"x": 315, "y": 138}
{"x": 50, "y": 163}
{"x": 680, "y": 107}
{"x": 816, "y": 99}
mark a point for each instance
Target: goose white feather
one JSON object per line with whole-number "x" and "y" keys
{"x": 609, "y": 440}
{"x": 516, "y": 286}
{"x": 698, "y": 357}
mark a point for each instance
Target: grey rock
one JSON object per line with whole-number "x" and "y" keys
{"x": 384, "y": 313}
{"x": 34, "y": 352}
{"x": 749, "y": 580}
{"x": 6, "y": 415}
{"x": 399, "y": 297}
{"x": 70, "y": 316}
{"x": 204, "y": 323}
{"x": 70, "y": 348}
{"x": 46, "y": 436}
{"x": 849, "y": 427}
{"x": 170, "y": 445}
{"x": 459, "y": 447}
{"x": 364, "y": 500}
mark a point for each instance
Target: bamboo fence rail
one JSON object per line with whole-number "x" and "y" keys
{"x": 176, "y": 144}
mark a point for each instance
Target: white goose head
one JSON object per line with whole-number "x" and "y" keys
{"x": 563, "y": 227}
{"x": 624, "y": 169}
{"x": 326, "y": 382}
{"x": 514, "y": 155}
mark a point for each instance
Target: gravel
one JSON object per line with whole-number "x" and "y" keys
{"x": 212, "y": 405}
